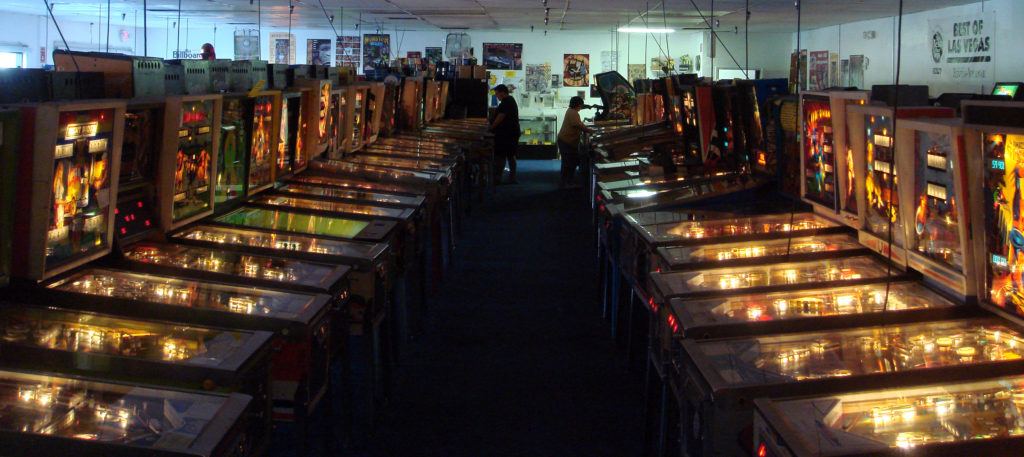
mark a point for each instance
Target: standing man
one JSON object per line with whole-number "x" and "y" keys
{"x": 569, "y": 141}
{"x": 506, "y": 134}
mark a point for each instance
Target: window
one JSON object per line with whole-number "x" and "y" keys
{"x": 11, "y": 59}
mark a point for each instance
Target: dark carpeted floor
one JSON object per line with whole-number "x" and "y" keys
{"x": 514, "y": 358}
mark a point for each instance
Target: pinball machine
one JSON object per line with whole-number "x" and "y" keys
{"x": 994, "y": 146}
{"x": 782, "y": 142}
{"x": 187, "y": 168}
{"x": 410, "y": 112}
{"x": 389, "y": 109}
{"x": 155, "y": 353}
{"x": 10, "y": 127}
{"x": 67, "y": 178}
{"x": 940, "y": 231}
{"x": 879, "y": 161}
{"x": 291, "y": 156}
{"x": 828, "y": 180}
{"x": 374, "y": 104}
{"x": 52, "y": 413}
{"x": 317, "y": 109}
{"x": 727, "y": 374}
{"x": 246, "y": 160}
{"x": 352, "y": 129}
{"x": 959, "y": 418}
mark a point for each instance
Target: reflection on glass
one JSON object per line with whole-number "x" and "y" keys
{"x": 294, "y": 222}
{"x": 75, "y": 331}
{"x": 871, "y": 298}
{"x": 252, "y": 238}
{"x": 260, "y": 149}
{"x": 320, "y": 205}
{"x": 332, "y": 192}
{"x": 759, "y": 225}
{"x": 109, "y": 413}
{"x": 757, "y": 249}
{"x": 905, "y": 418}
{"x": 727, "y": 279}
{"x": 231, "y": 160}
{"x": 186, "y": 293}
{"x": 80, "y": 200}
{"x": 936, "y": 214}
{"x": 193, "y": 163}
{"x": 861, "y": 351}
{"x": 351, "y": 183}
{"x": 1004, "y": 219}
{"x": 228, "y": 262}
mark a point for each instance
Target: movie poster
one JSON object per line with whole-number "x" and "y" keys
{"x": 817, "y": 77}
{"x": 635, "y": 71}
{"x": 376, "y": 51}
{"x": 537, "y": 77}
{"x": 318, "y": 51}
{"x": 576, "y": 70}
{"x": 347, "y": 52}
{"x": 857, "y": 66}
{"x": 434, "y": 55}
{"x": 503, "y": 56}
{"x": 282, "y": 48}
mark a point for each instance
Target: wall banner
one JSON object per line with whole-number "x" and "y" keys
{"x": 962, "y": 47}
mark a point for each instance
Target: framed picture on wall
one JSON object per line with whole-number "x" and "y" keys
{"x": 576, "y": 70}
{"x": 503, "y": 56}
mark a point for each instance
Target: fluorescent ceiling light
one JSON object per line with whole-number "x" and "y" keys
{"x": 644, "y": 30}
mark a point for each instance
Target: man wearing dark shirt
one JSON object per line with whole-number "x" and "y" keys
{"x": 506, "y": 133}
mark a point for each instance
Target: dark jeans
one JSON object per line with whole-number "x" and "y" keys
{"x": 505, "y": 150}
{"x": 570, "y": 161}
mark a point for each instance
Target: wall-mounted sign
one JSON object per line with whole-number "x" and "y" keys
{"x": 962, "y": 48}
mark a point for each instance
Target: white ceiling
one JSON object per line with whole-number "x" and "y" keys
{"x": 590, "y": 15}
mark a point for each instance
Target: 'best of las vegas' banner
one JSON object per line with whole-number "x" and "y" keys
{"x": 962, "y": 47}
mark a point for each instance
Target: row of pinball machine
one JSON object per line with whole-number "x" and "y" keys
{"x": 826, "y": 273}
{"x": 201, "y": 273}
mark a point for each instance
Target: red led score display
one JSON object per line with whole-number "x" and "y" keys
{"x": 133, "y": 216}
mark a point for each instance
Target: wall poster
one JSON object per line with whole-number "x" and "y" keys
{"x": 503, "y": 56}
{"x": 347, "y": 51}
{"x": 282, "y": 48}
{"x": 833, "y": 69}
{"x": 576, "y": 70}
{"x": 537, "y": 77}
{"x": 962, "y": 47}
{"x": 609, "y": 61}
{"x": 635, "y": 71}
{"x": 556, "y": 81}
{"x": 844, "y": 72}
{"x": 434, "y": 55}
{"x": 817, "y": 64}
{"x": 858, "y": 63}
{"x": 798, "y": 70}
{"x": 376, "y": 51}
{"x": 318, "y": 51}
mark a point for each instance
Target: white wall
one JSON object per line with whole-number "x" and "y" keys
{"x": 848, "y": 39}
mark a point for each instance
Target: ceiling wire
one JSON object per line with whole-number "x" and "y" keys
{"x": 49, "y": 9}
